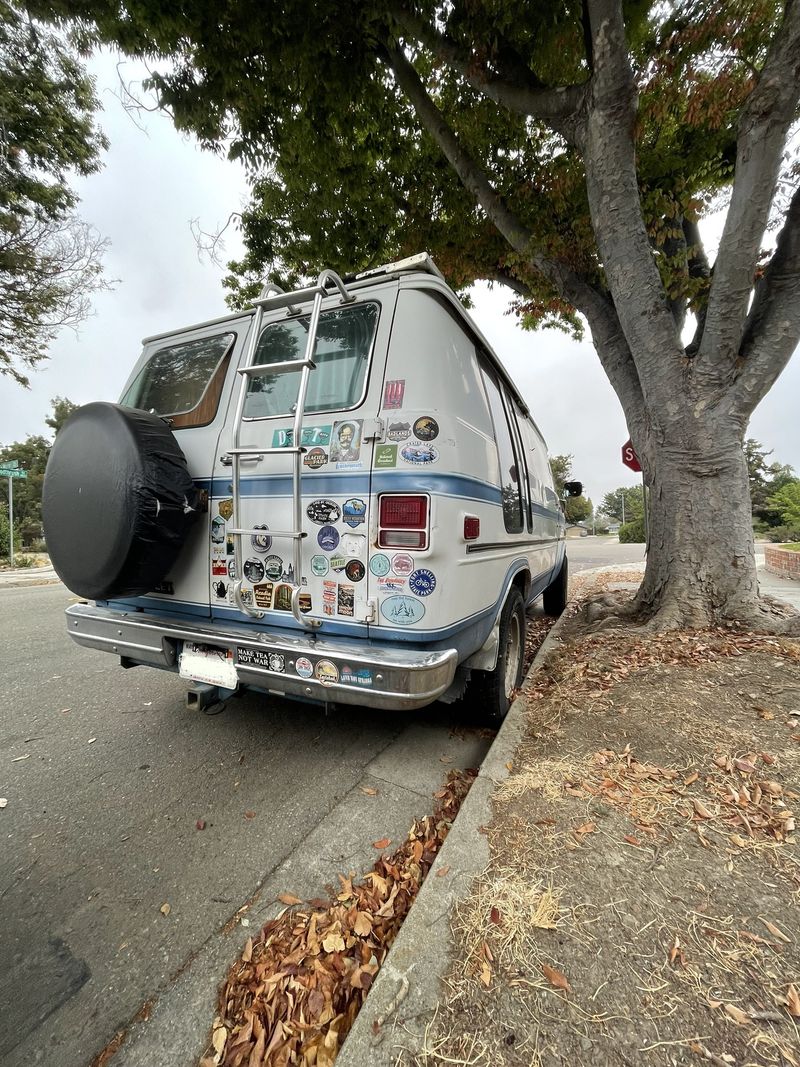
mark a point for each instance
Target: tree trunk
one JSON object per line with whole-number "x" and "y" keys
{"x": 700, "y": 559}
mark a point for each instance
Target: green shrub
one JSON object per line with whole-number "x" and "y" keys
{"x": 632, "y": 533}
{"x": 779, "y": 534}
{"x": 25, "y": 561}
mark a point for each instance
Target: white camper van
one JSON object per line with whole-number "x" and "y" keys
{"x": 338, "y": 495}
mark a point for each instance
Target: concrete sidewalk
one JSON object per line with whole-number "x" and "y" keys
{"x": 17, "y": 576}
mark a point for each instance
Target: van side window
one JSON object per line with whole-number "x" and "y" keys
{"x": 526, "y": 477}
{"x": 341, "y": 354}
{"x": 509, "y": 469}
{"x": 183, "y": 381}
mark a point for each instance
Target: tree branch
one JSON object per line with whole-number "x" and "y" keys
{"x": 698, "y": 268}
{"x": 763, "y": 126}
{"x": 601, "y": 314}
{"x": 473, "y": 177}
{"x": 772, "y": 329}
{"x": 518, "y": 91}
{"x": 616, "y": 212}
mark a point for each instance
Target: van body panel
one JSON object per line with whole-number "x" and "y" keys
{"x": 436, "y": 421}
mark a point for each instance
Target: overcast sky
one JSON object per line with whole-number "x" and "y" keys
{"x": 155, "y": 182}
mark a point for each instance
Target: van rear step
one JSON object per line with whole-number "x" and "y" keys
{"x": 280, "y": 662}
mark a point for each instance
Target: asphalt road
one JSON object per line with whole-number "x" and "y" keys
{"x": 587, "y": 552}
{"x": 106, "y": 773}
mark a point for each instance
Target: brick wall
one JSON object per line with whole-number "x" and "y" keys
{"x": 781, "y": 561}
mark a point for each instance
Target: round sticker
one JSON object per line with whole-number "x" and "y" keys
{"x": 261, "y": 542}
{"x": 328, "y": 538}
{"x": 379, "y": 564}
{"x": 426, "y": 428}
{"x": 319, "y": 566}
{"x": 422, "y": 582}
{"x": 254, "y": 570}
{"x": 273, "y": 567}
{"x": 323, "y": 511}
{"x": 304, "y": 667}
{"x": 402, "y": 563}
{"x": 315, "y": 458}
{"x": 355, "y": 570}
{"x": 326, "y": 672}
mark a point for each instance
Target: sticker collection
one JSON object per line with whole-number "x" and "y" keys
{"x": 340, "y": 561}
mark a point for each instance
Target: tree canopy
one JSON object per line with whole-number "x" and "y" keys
{"x": 49, "y": 258}
{"x": 568, "y": 150}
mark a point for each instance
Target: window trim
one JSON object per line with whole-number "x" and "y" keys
{"x": 226, "y": 355}
{"x": 367, "y": 374}
{"x": 514, "y": 415}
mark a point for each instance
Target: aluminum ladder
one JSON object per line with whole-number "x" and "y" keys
{"x": 271, "y": 298}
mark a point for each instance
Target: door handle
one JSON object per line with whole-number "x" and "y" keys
{"x": 227, "y": 461}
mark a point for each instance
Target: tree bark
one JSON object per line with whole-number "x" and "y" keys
{"x": 701, "y": 560}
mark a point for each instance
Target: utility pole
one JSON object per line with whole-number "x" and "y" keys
{"x": 622, "y": 494}
{"x": 11, "y": 520}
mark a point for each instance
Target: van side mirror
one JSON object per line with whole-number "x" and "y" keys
{"x": 573, "y": 488}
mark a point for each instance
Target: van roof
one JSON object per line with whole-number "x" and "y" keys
{"x": 420, "y": 264}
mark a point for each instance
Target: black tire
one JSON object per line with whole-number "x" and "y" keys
{"x": 491, "y": 693}
{"x": 117, "y": 501}
{"x": 554, "y": 598}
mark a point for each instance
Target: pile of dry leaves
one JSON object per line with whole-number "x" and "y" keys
{"x": 293, "y": 995}
{"x": 641, "y": 903}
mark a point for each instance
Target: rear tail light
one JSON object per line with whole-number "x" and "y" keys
{"x": 403, "y": 522}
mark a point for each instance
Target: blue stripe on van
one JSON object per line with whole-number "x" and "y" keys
{"x": 350, "y": 483}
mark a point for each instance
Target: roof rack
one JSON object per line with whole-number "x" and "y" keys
{"x": 421, "y": 261}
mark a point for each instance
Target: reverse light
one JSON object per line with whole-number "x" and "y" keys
{"x": 403, "y": 522}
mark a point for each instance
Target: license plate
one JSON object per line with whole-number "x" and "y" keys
{"x": 209, "y": 664}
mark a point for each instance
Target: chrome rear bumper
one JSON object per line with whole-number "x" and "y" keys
{"x": 353, "y": 673}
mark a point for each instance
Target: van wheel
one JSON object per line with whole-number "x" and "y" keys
{"x": 554, "y": 598}
{"x": 491, "y": 692}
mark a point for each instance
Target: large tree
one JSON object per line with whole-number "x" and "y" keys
{"x": 50, "y": 260}
{"x": 566, "y": 149}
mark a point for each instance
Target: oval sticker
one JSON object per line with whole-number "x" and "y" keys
{"x": 402, "y": 610}
{"x": 323, "y": 511}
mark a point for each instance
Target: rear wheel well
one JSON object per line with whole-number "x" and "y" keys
{"x": 522, "y": 580}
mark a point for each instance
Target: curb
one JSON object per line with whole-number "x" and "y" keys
{"x": 409, "y": 982}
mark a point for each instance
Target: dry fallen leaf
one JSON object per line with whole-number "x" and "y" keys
{"x": 494, "y": 915}
{"x": 289, "y": 898}
{"x": 632, "y": 840}
{"x": 383, "y": 843}
{"x": 165, "y": 909}
{"x": 200, "y": 824}
{"x": 247, "y": 951}
{"x": 219, "y": 1039}
{"x": 555, "y": 978}
{"x": 368, "y": 791}
{"x": 249, "y": 815}
{"x": 701, "y": 809}
{"x": 793, "y": 1001}
{"x": 443, "y": 871}
{"x": 691, "y": 779}
{"x": 738, "y": 1016}
{"x": 773, "y": 929}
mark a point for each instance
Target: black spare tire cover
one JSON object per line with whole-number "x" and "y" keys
{"x": 117, "y": 502}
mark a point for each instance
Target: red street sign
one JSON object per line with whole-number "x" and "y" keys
{"x": 629, "y": 457}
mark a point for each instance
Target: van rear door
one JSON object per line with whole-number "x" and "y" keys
{"x": 339, "y": 431}
{"x": 185, "y": 378}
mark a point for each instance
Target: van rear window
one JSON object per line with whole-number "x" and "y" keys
{"x": 175, "y": 379}
{"x": 342, "y": 351}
